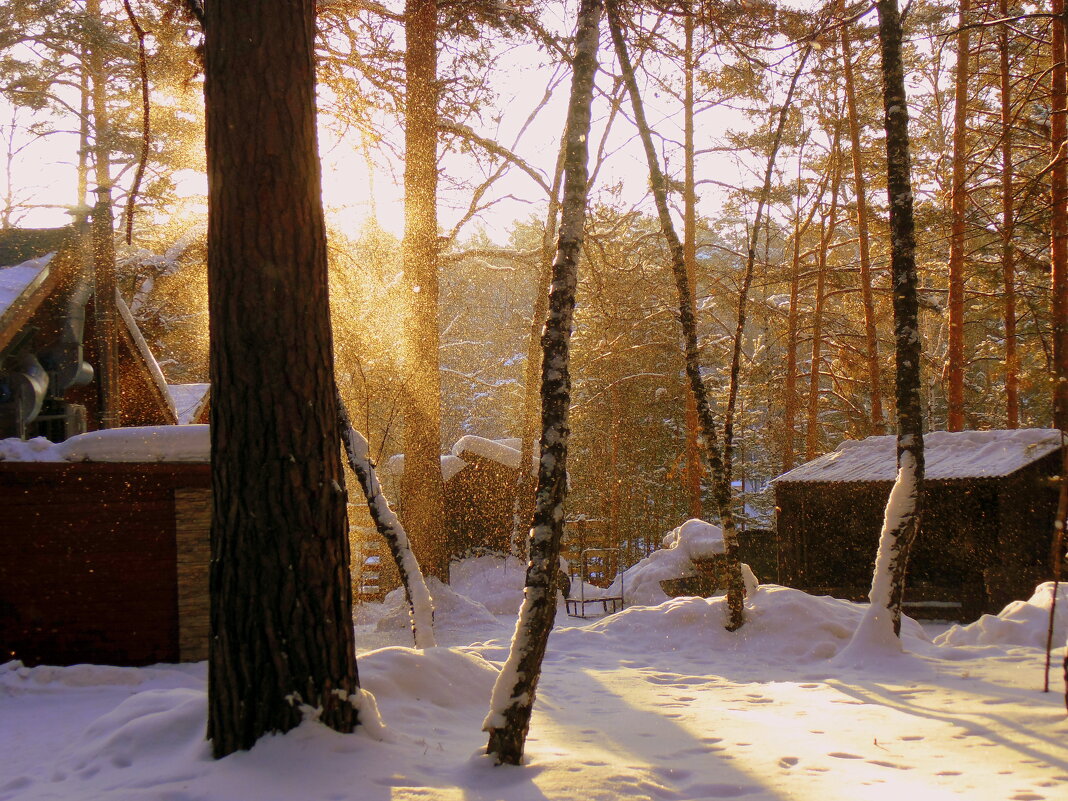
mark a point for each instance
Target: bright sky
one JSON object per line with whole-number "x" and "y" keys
{"x": 42, "y": 172}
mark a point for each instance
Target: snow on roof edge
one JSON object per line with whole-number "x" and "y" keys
{"x": 948, "y": 455}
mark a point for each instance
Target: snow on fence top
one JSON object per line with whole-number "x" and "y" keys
{"x": 16, "y": 280}
{"x": 189, "y": 443}
{"x": 962, "y": 454}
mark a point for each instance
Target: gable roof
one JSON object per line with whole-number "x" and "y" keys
{"x": 962, "y": 454}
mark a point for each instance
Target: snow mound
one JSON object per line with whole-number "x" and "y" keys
{"x": 782, "y": 624}
{"x": 694, "y": 539}
{"x": 1019, "y": 623}
{"x": 154, "y": 725}
{"x": 16, "y": 677}
{"x": 493, "y": 581}
{"x": 443, "y": 677}
{"x": 37, "y": 449}
{"x": 451, "y": 610}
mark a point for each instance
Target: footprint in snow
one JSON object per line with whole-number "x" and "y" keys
{"x": 893, "y": 765}
{"x": 788, "y": 762}
{"x": 844, "y": 755}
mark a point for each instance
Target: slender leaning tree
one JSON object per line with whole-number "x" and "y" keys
{"x": 281, "y": 599}
{"x": 513, "y": 694}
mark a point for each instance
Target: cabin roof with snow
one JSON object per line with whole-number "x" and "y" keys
{"x": 956, "y": 455}
{"x": 45, "y": 269}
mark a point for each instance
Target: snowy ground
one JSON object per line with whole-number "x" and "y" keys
{"x": 657, "y": 702}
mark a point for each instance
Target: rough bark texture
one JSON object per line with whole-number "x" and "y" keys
{"x": 721, "y": 488}
{"x": 958, "y": 200}
{"x": 1008, "y": 225}
{"x": 860, "y": 190}
{"x": 389, "y": 526}
{"x": 906, "y": 307}
{"x": 1059, "y": 220}
{"x": 514, "y": 693}
{"x": 423, "y": 506}
{"x": 281, "y": 598}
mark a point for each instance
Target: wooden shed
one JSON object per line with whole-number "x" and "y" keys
{"x": 984, "y": 540}
{"x": 105, "y": 548}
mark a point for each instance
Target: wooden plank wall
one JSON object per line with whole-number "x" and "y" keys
{"x": 88, "y": 557}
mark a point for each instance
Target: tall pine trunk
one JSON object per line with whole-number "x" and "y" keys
{"x": 281, "y": 596}
{"x": 1059, "y": 219}
{"x": 1008, "y": 225}
{"x": 860, "y": 190}
{"x": 827, "y": 226}
{"x": 693, "y": 472}
{"x": 423, "y": 507}
{"x": 958, "y": 201}
{"x": 508, "y": 720}
{"x": 721, "y": 488}
{"x": 105, "y": 311}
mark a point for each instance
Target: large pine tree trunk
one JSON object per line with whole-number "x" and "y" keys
{"x": 860, "y": 189}
{"x": 423, "y": 507}
{"x": 513, "y": 694}
{"x": 958, "y": 200}
{"x": 903, "y": 510}
{"x": 281, "y": 597}
{"x": 721, "y": 488}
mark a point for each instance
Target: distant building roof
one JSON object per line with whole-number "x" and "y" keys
{"x": 963, "y": 454}
{"x": 19, "y": 281}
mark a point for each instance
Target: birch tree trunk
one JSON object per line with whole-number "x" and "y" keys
{"x": 904, "y": 507}
{"x": 513, "y": 697}
{"x": 720, "y": 481}
{"x": 420, "y": 604}
{"x": 523, "y": 504}
{"x": 958, "y": 200}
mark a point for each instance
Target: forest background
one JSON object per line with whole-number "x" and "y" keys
{"x": 817, "y": 344}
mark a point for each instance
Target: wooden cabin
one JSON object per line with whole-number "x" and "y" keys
{"x": 52, "y": 344}
{"x": 105, "y": 547}
{"x": 985, "y": 533}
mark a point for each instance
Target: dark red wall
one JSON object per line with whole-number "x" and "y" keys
{"x": 88, "y": 561}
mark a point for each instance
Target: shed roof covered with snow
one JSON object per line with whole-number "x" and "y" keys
{"x": 948, "y": 455}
